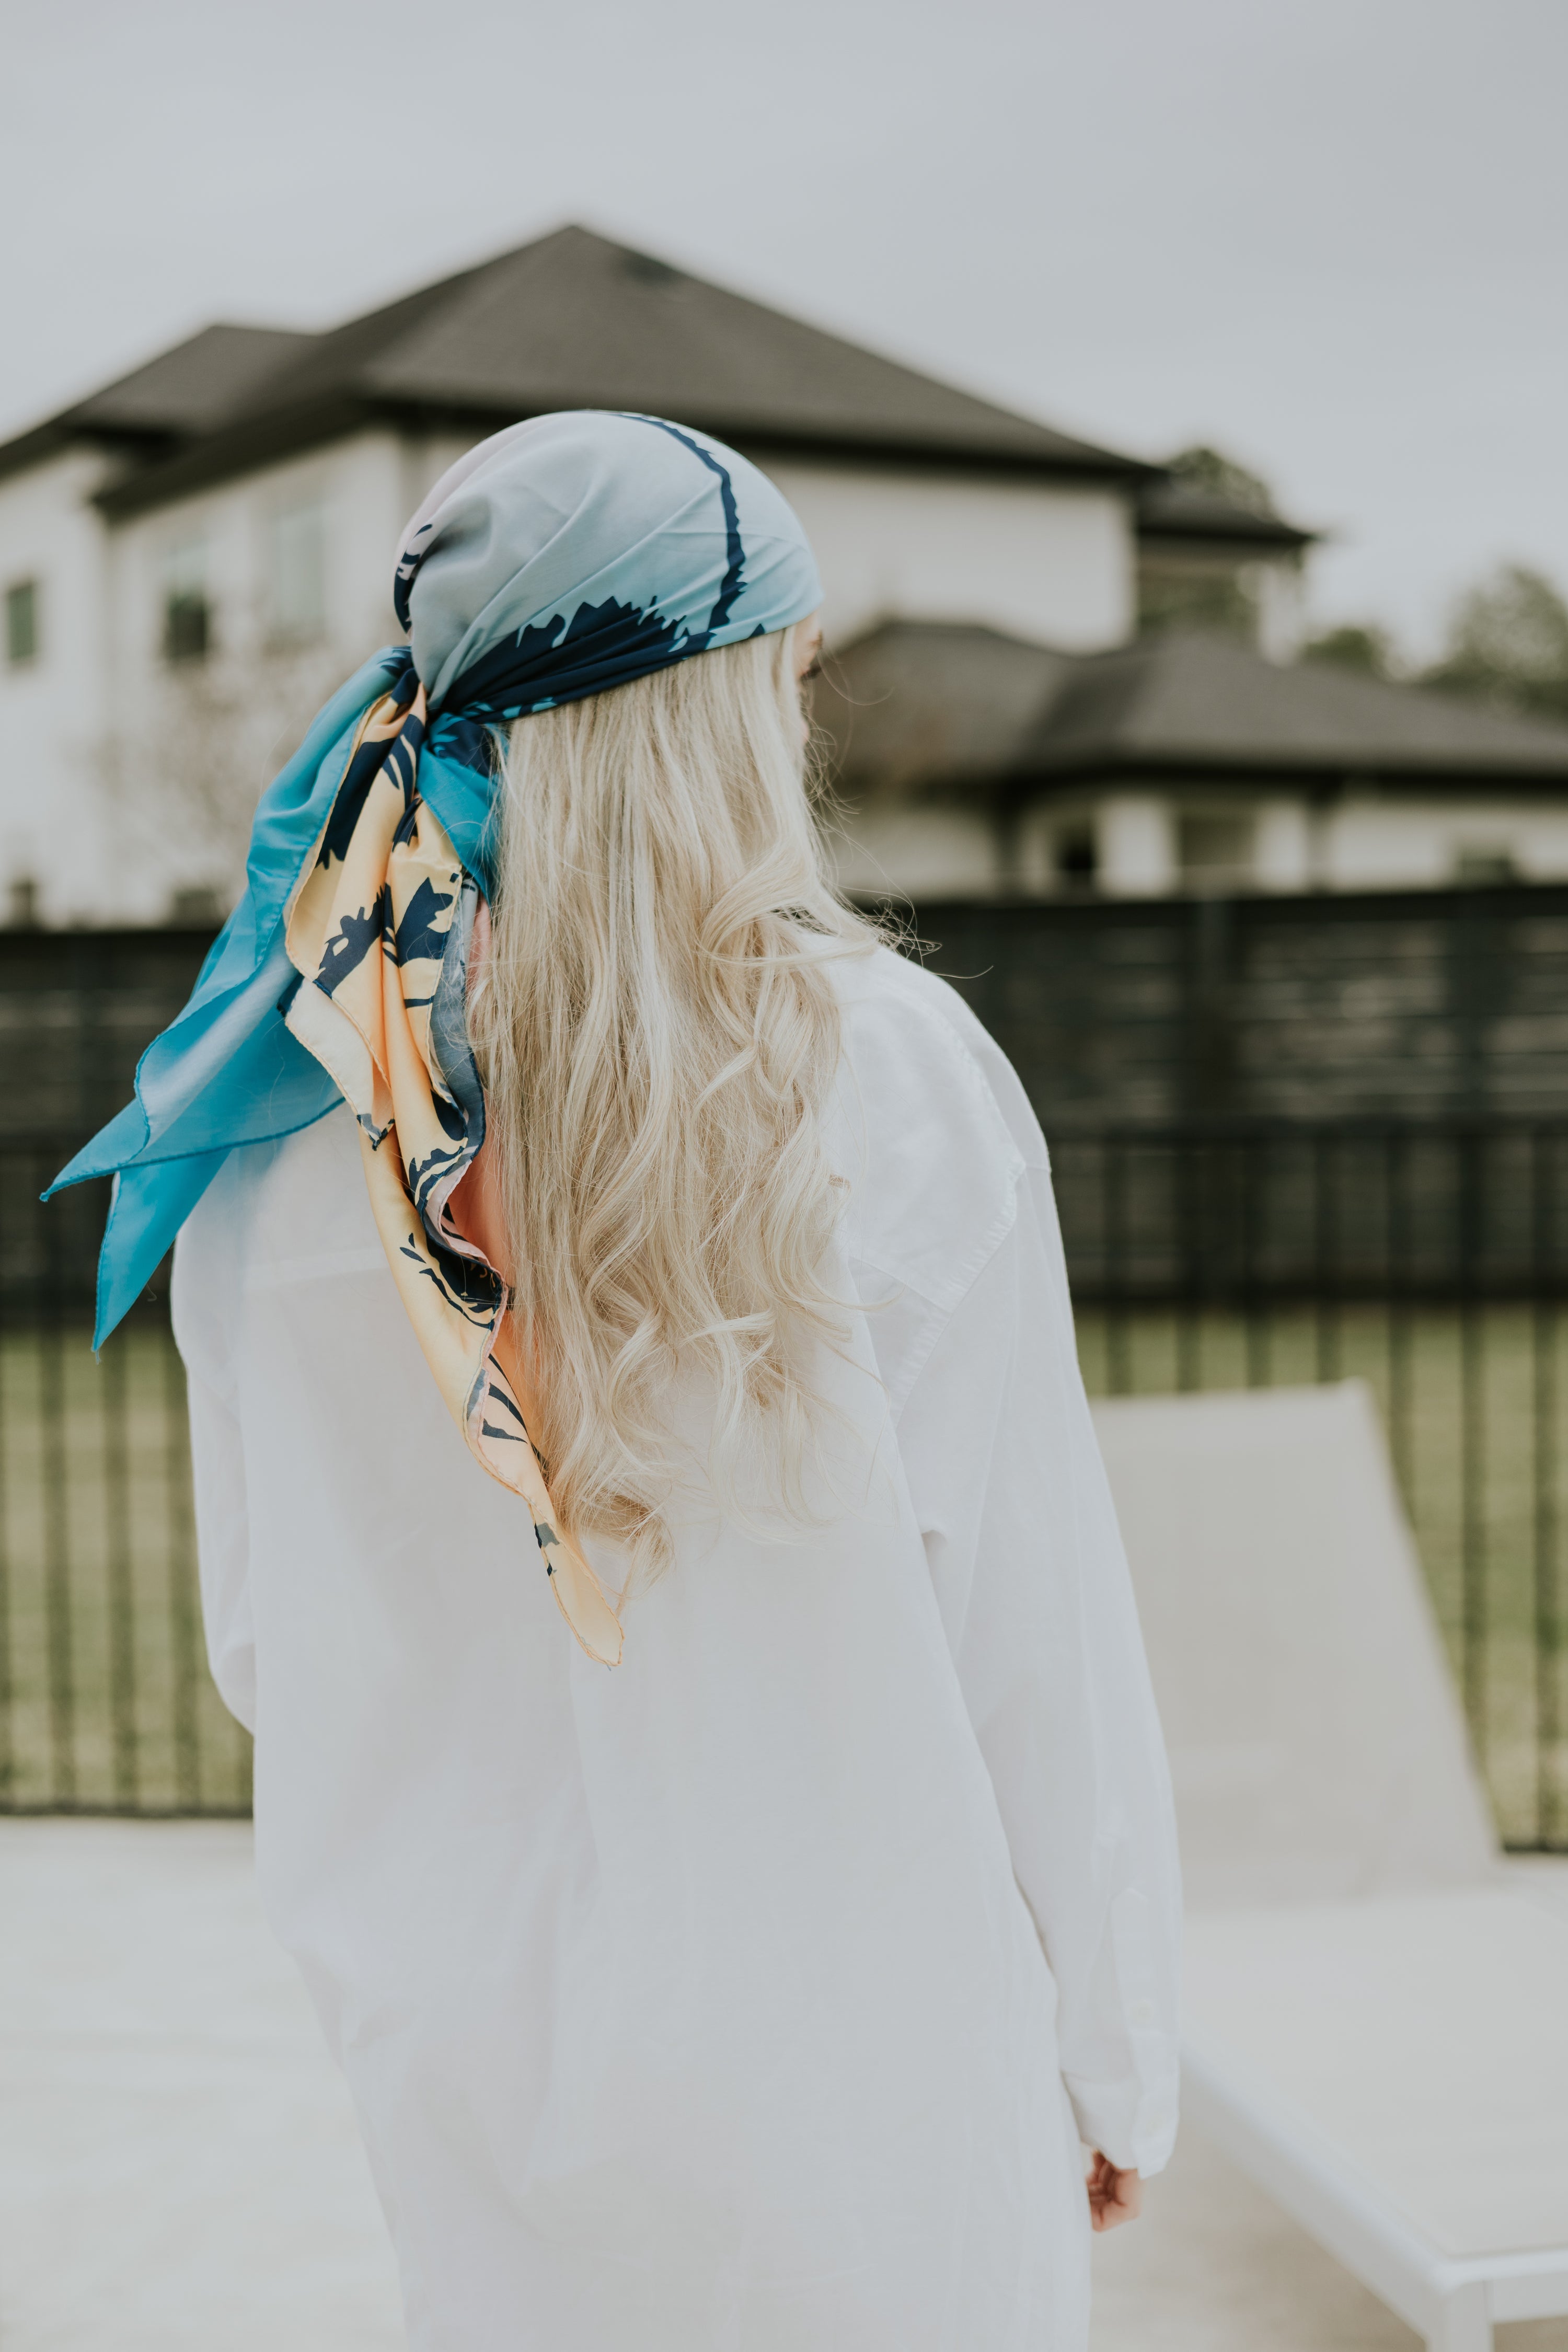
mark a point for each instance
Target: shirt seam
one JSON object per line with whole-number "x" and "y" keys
{"x": 922, "y": 1352}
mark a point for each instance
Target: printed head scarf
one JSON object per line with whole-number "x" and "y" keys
{"x": 564, "y": 556}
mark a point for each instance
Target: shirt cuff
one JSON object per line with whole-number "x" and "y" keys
{"x": 1132, "y": 2123}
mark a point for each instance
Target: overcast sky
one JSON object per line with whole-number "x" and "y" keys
{"x": 1329, "y": 235}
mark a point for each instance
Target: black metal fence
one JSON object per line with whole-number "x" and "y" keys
{"x": 105, "y": 1705}
{"x": 1416, "y": 1004}
{"x": 1430, "y": 1259}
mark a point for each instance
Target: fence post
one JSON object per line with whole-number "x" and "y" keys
{"x": 1547, "y": 1627}
{"x": 7, "y": 1680}
{"x": 121, "y": 1659}
{"x": 1189, "y": 1199}
{"x": 1118, "y": 1335}
{"x": 1325, "y": 1270}
{"x": 1401, "y": 1387}
{"x": 1252, "y": 1150}
{"x": 52, "y": 1449}
{"x": 1472, "y": 1443}
{"x": 182, "y": 1604}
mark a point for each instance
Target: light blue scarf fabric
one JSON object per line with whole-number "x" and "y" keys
{"x": 564, "y": 556}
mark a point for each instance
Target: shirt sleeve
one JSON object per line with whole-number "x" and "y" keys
{"x": 203, "y": 1302}
{"x": 1034, "y": 1589}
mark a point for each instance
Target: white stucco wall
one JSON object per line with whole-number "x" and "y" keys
{"x": 358, "y": 485}
{"x": 53, "y": 707}
{"x": 1361, "y": 843}
{"x": 1283, "y": 845}
{"x": 919, "y": 852}
{"x": 123, "y": 778}
{"x": 942, "y": 852}
{"x": 1373, "y": 844}
{"x": 1280, "y": 593}
{"x": 196, "y": 742}
{"x": 1041, "y": 560}
{"x": 1135, "y": 845}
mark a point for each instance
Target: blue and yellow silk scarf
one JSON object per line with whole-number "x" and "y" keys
{"x": 562, "y": 556}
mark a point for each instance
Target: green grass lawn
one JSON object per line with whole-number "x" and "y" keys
{"x": 105, "y": 1699}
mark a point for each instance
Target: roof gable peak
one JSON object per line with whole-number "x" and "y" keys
{"x": 571, "y": 318}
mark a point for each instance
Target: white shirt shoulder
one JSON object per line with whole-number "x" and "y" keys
{"x": 934, "y": 1132}
{"x": 900, "y": 989}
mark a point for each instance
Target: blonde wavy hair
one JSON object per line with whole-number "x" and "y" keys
{"x": 657, "y": 1031}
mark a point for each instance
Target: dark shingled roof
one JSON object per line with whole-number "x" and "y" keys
{"x": 933, "y": 703}
{"x": 160, "y": 407}
{"x": 1181, "y": 510}
{"x": 196, "y": 386}
{"x": 576, "y": 319}
{"x": 923, "y": 707}
{"x": 1193, "y": 700}
{"x": 571, "y": 321}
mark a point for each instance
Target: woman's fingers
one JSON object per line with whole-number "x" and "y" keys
{"x": 1114, "y": 2196}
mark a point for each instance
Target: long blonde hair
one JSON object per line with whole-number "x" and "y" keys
{"x": 657, "y": 1033}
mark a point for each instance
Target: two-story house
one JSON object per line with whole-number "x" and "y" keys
{"x": 192, "y": 558}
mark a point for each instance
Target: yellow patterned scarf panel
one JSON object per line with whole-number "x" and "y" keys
{"x": 379, "y": 931}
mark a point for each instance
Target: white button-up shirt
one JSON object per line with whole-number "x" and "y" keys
{"x": 754, "y": 1996}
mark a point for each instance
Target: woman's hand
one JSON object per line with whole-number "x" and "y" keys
{"x": 1114, "y": 2196}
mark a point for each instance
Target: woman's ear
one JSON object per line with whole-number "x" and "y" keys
{"x": 808, "y": 646}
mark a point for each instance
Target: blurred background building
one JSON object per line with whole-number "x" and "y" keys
{"x": 1061, "y": 671}
{"x": 1275, "y": 930}
{"x": 196, "y": 555}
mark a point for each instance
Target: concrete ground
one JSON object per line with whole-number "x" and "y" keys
{"x": 179, "y": 2166}
{"x": 180, "y": 2172}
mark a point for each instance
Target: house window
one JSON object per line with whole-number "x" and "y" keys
{"x": 1200, "y": 593}
{"x": 1477, "y": 864}
{"x": 195, "y": 907}
{"x": 188, "y": 613}
{"x": 296, "y": 569}
{"x": 1216, "y": 851}
{"x": 22, "y": 622}
{"x": 1077, "y": 855}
